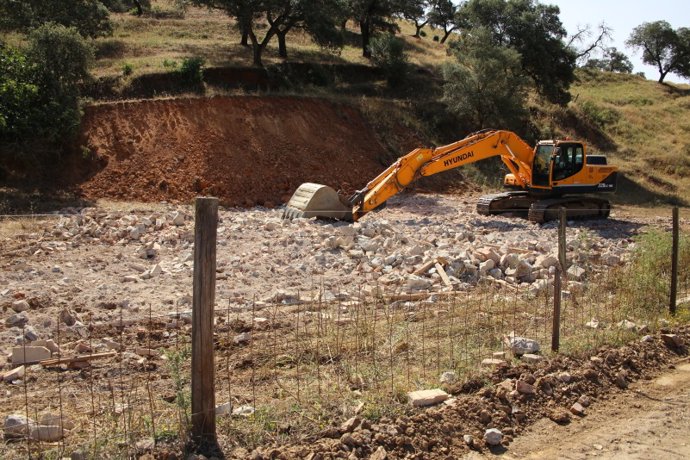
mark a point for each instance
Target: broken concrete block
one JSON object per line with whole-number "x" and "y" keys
{"x": 15, "y": 374}
{"x": 424, "y": 398}
{"x": 531, "y": 358}
{"x": 29, "y": 354}
{"x": 492, "y": 362}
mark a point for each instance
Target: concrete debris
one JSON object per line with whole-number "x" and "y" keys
{"x": 29, "y": 354}
{"x": 520, "y": 345}
{"x": 244, "y": 411}
{"x": 492, "y": 362}
{"x": 422, "y": 398}
{"x": 531, "y": 358}
{"x": 15, "y": 374}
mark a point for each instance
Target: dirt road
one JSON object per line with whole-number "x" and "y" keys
{"x": 650, "y": 421}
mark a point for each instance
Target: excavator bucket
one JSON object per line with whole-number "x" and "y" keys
{"x": 316, "y": 200}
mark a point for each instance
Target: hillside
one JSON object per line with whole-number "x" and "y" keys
{"x": 639, "y": 123}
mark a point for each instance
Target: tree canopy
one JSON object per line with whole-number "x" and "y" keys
{"x": 663, "y": 47}
{"x": 39, "y": 87}
{"x": 90, "y": 17}
{"x": 612, "y": 61}
{"x": 318, "y": 17}
{"x": 535, "y": 31}
{"x": 486, "y": 82}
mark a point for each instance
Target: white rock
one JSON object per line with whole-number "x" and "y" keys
{"x": 531, "y": 358}
{"x": 178, "y": 219}
{"x": 510, "y": 261}
{"x": 46, "y": 433}
{"x": 224, "y": 409}
{"x": 244, "y": 411}
{"x": 242, "y": 338}
{"x": 485, "y": 266}
{"x": 546, "y": 261}
{"x": 17, "y": 426}
{"x": 611, "y": 259}
{"x": 20, "y": 306}
{"x": 493, "y": 437}
{"x": 17, "y": 320}
{"x": 417, "y": 283}
{"x": 627, "y": 325}
{"x": 575, "y": 272}
{"x": 449, "y": 377}
{"x": 55, "y": 420}
{"x": 521, "y": 345}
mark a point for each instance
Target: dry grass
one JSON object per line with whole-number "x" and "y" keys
{"x": 648, "y": 125}
{"x": 153, "y": 45}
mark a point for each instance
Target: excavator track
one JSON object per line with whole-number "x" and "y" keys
{"x": 540, "y": 210}
{"x": 499, "y": 203}
{"x": 576, "y": 208}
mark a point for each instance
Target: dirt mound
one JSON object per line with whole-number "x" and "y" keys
{"x": 437, "y": 433}
{"x": 245, "y": 150}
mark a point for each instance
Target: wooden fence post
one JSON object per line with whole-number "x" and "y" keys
{"x": 557, "y": 280}
{"x": 204, "y": 292}
{"x": 674, "y": 262}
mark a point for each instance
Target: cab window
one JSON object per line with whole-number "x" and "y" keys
{"x": 569, "y": 160}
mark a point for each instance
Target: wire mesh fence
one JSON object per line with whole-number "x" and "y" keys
{"x": 286, "y": 369}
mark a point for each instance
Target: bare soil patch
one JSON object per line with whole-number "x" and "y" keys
{"x": 245, "y": 150}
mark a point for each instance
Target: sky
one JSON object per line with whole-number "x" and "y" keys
{"x": 623, "y": 17}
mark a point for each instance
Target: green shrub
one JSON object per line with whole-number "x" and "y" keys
{"x": 39, "y": 90}
{"x": 602, "y": 117}
{"x": 422, "y": 33}
{"x": 169, "y": 64}
{"x": 388, "y": 53}
{"x": 127, "y": 70}
{"x": 192, "y": 71}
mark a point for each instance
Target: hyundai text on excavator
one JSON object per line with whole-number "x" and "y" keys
{"x": 553, "y": 174}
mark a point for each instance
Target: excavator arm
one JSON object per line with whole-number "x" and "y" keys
{"x": 514, "y": 152}
{"x": 312, "y": 200}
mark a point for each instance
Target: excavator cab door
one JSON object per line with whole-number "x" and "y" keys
{"x": 568, "y": 160}
{"x": 541, "y": 167}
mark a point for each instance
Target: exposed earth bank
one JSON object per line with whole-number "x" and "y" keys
{"x": 245, "y": 150}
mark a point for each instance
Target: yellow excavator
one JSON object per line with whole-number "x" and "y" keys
{"x": 553, "y": 174}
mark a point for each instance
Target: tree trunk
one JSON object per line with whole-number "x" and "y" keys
{"x": 245, "y": 38}
{"x": 418, "y": 28}
{"x": 140, "y": 9}
{"x": 364, "y": 29}
{"x": 282, "y": 47}
{"x": 446, "y": 34}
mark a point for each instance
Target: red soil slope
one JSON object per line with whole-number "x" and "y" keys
{"x": 244, "y": 150}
